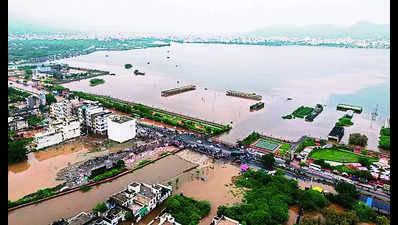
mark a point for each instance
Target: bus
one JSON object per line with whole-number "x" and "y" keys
{"x": 315, "y": 167}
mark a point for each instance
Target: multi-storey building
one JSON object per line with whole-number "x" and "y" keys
{"x": 63, "y": 109}
{"x": 93, "y": 118}
{"x": 57, "y": 132}
{"x": 120, "y": 128}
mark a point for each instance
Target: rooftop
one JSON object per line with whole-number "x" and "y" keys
{"x": 146, "y": 192}
{"x": 120, "y": 197}
{"x": 80, "y": 219}
{"x": 120, "y": 119}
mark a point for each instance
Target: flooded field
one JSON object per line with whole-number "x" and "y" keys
{"x": 217, "y": 187}
{"x": 71, "y": 204}
{"x": 272, "y": 72}
{"x": 39, "y": 171}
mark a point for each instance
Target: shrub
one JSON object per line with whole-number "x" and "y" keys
{"x": 365, "y": 213}
{"x": 85, "y": 188}
{"x": 100, "y": 207}
{"x": 358, "y": 139}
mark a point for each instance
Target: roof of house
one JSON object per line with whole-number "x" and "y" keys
{"x": 120, "y": 197}
{"x": 80, "y": 219}
{"x": 337, "y": 132}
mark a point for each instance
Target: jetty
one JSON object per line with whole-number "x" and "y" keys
{"x": 178, "y": 90}
{"x": 240, "y": 94}
{"x": 137, "y": 72}
{"x": 344, "y": 107}
{"x": 257, "y": 106}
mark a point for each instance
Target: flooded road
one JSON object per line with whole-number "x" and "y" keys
{"x": 322, "y": 75}
{"x": 71, "y": 204}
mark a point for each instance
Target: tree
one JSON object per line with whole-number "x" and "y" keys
{"x": 17, "y": 150}
{"x": 120, "y": 164}
{"x": 364, "y": 161}
{"x": 268, "y": 161}
{"x": 100, "y": 207}
{"x": 358, "y": 139}
{"x": 382, "y": 220}
{"x": 312, "y": 200}
{"x": 50, "y": 99}
{"x": 128, "y": 215}
{"x": 280, "y": 172}
{"x": 365, "y": 213}
{"x": 310, "y": 221}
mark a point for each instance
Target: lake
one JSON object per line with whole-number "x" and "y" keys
{"x": 309, "y": 75}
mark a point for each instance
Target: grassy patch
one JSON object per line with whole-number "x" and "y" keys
{"x": 107, "y": 174}
{"x": 249, "y": 139}
{"x": 85, "y": 188}
{"x": 337, "y": 156}
{"x": 143, "y": 162}
{"x": 300, "y": 112}
{"x": 344, "y": 122}
{"x": 40, "y": 194}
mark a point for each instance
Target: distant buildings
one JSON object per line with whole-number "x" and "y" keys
{"x": 17, "y": 123}
{"x": 59, "y": 131}
{"x": 32, "y": 102}
{"x": 165, "y": 219}
{"x": 120, "y": 128}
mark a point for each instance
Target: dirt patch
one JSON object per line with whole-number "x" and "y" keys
{"x": 194, "y": 157}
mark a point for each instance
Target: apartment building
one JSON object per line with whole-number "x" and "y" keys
{"x": 93, "y": 118}
{"x": 121, "y": 128}
{"x": 58, "y": 131}
{"x": 63, "y": 109}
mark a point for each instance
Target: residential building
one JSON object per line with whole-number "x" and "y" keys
{"x": 141, "y": 198}
{"x": 80, "y": 219}
{"x": 165, "y": 219}
{"x": 58, "y": 131}
{"x": 223, "y": 220}
{"x": 17, "y": 123}
{"x": 115, "y": 215}
{"x": 63, "y": 109}
{"x": 93, "y": 118}
{"x": 32, "y": 102}
{"x": 120, "y": 128}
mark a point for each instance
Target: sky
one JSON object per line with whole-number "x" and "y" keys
{"x": 195, "y": 16}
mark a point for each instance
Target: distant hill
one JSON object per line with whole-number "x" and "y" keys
{"x": 361, "y": 30}
{"x": 18, "y": 27}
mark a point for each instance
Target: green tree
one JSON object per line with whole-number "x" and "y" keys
{"x": 312, "y": 200}
{"x": 364, "y": 161}
{"x": 365, "y": 213}
{"x": 50, "y": 99}
{"x": 120, "y": 164}
{"x": 268, "y": 161}
{"x": 100, "y": 207}
{"x": 358, "y": 139}
{"x": 128, "y": 215}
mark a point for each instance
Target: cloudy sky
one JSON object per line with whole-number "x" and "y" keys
{"x": 200, "y": 16}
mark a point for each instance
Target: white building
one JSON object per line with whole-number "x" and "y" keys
{"x": 121, "y": 129}
{"x": 17, "y": 123}
{"x": 63, "y": 109}
{"x": 58, "y": 131}
{"x": 93, "y": 118}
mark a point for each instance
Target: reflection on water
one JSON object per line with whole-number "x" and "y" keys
{"x": 273, "y": 72}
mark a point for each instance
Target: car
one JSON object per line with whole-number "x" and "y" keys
{"x": 199, "y": 141}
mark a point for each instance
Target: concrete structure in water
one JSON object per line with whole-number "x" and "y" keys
{"x": 240, "y": 94}
{"x": 175, "y": 91}
{"x": 120, "y": 128}
{"x": 344, "y": 107}
{"x": 58, "y": 131}
{"x": 336, "y": 134}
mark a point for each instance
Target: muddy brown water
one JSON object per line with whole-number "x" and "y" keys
{"x": 40, "y": 170}
{"x": 71, "y": 204}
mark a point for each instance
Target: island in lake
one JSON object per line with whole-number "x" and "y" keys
{"x": 96, "y": 81}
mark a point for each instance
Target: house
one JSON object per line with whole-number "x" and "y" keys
{"x": 121, "y": 129}
{"x": 223, "y": 220}
{"x": 141, "y": 198}
{"x": 57, "y": 132}
{"x": 81, "y": 219}
{"x": 17, "y": 123}
{"x": 336, "y": 134}
{"x": 165, "y": 219}
{"x": 115, "y": 215}
{"x": 63, "y": 109}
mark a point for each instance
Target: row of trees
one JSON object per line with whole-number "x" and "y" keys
{"x": 384, "y": 139}
{"x": 16, "y": 148}
{"x": 249, "y": 139}
{"x": 15, "y": 95}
